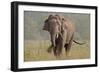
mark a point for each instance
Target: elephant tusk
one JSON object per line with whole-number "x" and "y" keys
{"x": 57, "y": 35}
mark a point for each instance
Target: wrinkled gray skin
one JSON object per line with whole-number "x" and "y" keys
{"x": 61, "y": 32}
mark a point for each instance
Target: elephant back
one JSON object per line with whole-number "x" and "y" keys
{"x": 68, "y": 24}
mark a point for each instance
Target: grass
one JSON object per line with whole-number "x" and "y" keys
{"x": 37, "y": 51}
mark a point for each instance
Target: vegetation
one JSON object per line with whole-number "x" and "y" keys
{"x": 37, "y": 51}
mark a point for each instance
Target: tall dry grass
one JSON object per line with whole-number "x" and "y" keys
{"x": 37, "y": 51}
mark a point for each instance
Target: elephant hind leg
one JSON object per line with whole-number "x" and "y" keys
{"x": 68, "y": 46}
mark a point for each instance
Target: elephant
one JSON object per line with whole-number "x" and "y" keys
{"x": 61, "y": 32}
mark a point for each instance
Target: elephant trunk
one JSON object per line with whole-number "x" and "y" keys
{"x": 53, "y": 38}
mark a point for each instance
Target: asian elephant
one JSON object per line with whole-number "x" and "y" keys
{"x": 61, "y": 32}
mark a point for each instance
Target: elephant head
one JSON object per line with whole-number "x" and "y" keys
{"x": 53, "y": 25}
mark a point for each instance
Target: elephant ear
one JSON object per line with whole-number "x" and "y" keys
{"x": 46, "y": 25}
{"x": 50, "y": 17}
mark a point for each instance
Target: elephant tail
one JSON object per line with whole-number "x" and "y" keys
{"x": 79, "y": 42}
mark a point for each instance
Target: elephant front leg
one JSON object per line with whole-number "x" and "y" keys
{"x": 53, "y": 44}
{"x": 59, "y": 46}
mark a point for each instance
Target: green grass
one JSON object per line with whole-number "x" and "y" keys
{"x": 37, "y": 51}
